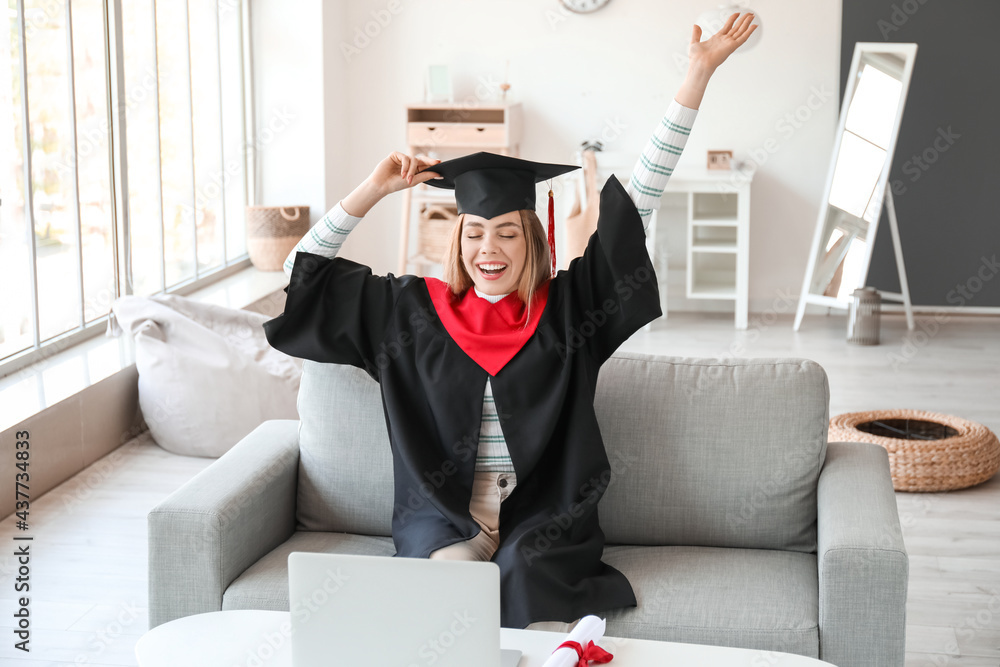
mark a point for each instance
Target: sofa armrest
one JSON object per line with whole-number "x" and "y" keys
{"x": 863, "y": 566}
{"x": 222, "y": 521}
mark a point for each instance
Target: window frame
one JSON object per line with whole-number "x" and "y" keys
{"x": 40, "y": 350}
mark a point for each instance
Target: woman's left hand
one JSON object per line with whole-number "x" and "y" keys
{"x": 708, "y": 55}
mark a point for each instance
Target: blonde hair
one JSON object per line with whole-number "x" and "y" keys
{"x": 537, "y": 263}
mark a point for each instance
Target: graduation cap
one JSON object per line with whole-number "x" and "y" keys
{"x": 489, "y": 184}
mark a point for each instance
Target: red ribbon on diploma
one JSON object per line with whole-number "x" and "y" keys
{"x": 591, "y": 653}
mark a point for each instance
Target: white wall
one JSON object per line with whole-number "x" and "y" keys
{"x": 337, "y": 122}
{"x": 301, "y": 112}
{"x": 574, "y": 75}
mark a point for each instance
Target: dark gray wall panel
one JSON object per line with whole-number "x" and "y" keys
{"x": 946, "y": 171}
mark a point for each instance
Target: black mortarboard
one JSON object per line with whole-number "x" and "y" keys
{"x": 489, "y": 184}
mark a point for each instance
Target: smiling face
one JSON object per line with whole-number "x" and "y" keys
{"x": 494, "y": 251}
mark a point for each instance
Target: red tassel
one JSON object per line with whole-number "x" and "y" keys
{"x": 552, "y": 232}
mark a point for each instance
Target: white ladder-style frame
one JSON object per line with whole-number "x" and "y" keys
{"x": 907, "y": 52}
{"x": 902, "y": 296}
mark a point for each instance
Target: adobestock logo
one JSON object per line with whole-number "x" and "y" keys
{"x": 363, "y": 36}
{"x": 786, "y": 126}
{"x": 900, "y": 14}
{"x": 432, "y": 650}
{"x": 918, "y": 164}
{"x": 965, "y": 292}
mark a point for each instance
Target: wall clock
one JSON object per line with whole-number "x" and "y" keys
{"x": 584, "y": 6}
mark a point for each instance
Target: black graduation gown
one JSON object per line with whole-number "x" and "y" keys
{"x": 551, "y": 542}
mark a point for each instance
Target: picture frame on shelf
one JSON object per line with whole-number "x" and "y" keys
{"x": 720, "y": 160}
{"x": 437, "y": 85}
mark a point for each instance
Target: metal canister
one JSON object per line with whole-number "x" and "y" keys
{"x": 863, "y": 316}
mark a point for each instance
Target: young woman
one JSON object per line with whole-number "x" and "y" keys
{"x": 488, "y": 377}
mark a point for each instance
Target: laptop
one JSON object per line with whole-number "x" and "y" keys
{"x": 394, "y": 612}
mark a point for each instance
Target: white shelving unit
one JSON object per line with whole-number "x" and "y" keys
{"x": 718, "y": 237}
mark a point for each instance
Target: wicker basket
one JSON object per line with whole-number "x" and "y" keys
{"x": 272, "y": 233}
{"x": 434, "y": 231}
{"x": 960, "y": 453}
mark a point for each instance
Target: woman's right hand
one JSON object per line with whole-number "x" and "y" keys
{"x": 400, "y": 171}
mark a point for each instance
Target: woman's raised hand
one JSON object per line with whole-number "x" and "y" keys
{"x": 400, "y": 171}
{"x": 705, "y": 57}
{"x": 711, "y": 53}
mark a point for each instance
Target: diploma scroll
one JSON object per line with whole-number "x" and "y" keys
{"x": 589, "y": 629}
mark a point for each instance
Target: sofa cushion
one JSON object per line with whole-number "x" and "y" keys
{"x": 207, "y": 375}
{"x": 703, "y": 452}
{"x": 723, "y": 453}
{"x": 345, "y": 463}
{"x": 264, "y": 585}
{"x": 748, "y": 598}
{"x": 743, "y": 598}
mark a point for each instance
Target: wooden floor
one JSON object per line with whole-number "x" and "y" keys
{"x": 88, "y": 556}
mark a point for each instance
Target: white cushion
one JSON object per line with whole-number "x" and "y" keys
{"x": 207, "y": 376}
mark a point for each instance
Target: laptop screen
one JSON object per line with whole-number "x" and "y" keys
{"x": 379, "y": 610}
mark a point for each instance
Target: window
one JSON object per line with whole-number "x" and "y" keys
{"x": 125, "y": 159}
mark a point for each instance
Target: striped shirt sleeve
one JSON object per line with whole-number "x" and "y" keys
{"x": 657, "y": 160}
{"x": 325, "y": 237}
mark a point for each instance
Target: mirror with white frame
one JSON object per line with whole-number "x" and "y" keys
{"x": 856, "y": 182}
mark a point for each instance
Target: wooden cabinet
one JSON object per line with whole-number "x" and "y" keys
{"x": 448, "y": 131}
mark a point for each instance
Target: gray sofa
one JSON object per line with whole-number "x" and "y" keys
{"x": 733, "y": 518}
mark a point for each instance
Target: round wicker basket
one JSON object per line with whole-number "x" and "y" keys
{"x": 272, "y": 232}
{"x": 931, "y": 452}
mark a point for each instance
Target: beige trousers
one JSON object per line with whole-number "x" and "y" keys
{"x": 489, "y": 489}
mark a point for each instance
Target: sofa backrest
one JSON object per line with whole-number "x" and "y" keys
{"x": 704, "y": 452}
{"x": 709, "y": 452}
{"x": 345, "y": 464}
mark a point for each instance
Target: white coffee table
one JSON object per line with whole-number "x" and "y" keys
{"x": 248, "y": 637}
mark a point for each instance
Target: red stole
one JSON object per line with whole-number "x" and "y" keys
{"x": 490, "y": 333}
